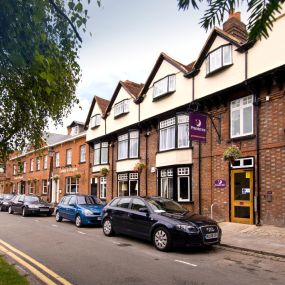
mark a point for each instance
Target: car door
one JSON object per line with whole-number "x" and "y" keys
{"x": 19, "y": 204}
{"x": 71, "y": 208}
{"x": 64, "y": 207}
{"x": 120, "y": 215}
{"x": 139, "y": 222}
{"x": 14, "y": 202}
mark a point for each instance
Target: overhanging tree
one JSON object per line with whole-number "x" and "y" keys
{"x": 262, "y": 14}
{"x": 39, "y": 43}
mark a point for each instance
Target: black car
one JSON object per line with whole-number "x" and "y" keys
{"x": 30, "y": 205}
{"x": 5, "y": 202}
{"x": 160, "y": 220}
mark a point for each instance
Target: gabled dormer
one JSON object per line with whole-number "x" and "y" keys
{"x": 95, "y": 122}
{"x": 75, "y": 128}
{"x": 122, "y": 110}
{"x": 165, "y": 87}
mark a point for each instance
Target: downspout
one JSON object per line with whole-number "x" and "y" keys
{"x": 146, "y": 160}
{"x": 112, "y": 170}
{"x": 199, "y": 179}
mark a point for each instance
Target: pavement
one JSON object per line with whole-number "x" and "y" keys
{"x": 265, "y": 239}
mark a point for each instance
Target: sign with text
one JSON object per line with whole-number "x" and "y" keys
{"x": 220, "y": 183}
{"x": 197, "y": 127}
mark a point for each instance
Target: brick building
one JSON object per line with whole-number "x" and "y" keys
{"x": 140, "y": 139}
{"x": 59, "y": 167}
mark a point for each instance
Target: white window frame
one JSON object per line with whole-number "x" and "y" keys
{"x": 238, "y": 105}
{"x": 223, "y": 62}
{"x": 183, "y": 172}
{"x": 95, "y": 121}
{"x": 103, "y": 187}
{"x": 99, "y": 148}
{"x": 128, "y": 177}
{"x": 24, "y": 167}
{"x": 14, "y": 169}
{"x": 82, "y": 153}
{"x": 69, "y": 184}
{"x": 44, "y": 186}
{"x": 69, "y": 156}
{"x": 31, "y": 187}
{"x": 57, "y": 159}
{"x": 32, "y": 165}
{"x": 132, "y": 136}
{"x": 122, "y": 107}
{"x": 164, "y": 86}
{"x": 45, "y": 162}
{"x": 38, "y": 164}
{"x": 75, "y": 130}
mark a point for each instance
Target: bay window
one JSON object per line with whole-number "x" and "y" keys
{"x": 219, "y": 58}
{"x": 242, "y": 117}
{"x": 128, "y": 145}
{"x": 100, "y": 153}
{"x": 164, "y": 86}
{"x": 174, "y": 133}
{"x": 121, "y": 107}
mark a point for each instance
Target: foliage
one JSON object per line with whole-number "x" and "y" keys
{"x": 39, "y": 44}
{"x": 139, "y": 167}
{"x": 9, "y": 274}
{"x": 261, "y": 19}
{"x": 104, "y": 171}
{"x": 77, "y": 176}
{"x": 55, "y": 177}
{"x": 232, "y": 153}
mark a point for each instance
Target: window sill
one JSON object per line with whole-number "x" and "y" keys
{"x": 82, "y": 162}
{"x": 95, "y": 127}
{"x": 124, "y": 159}
{"x": 120, "y": 115}
{"x": 242, "y": 138}
{"x": 184, "y": 202}
{"x": 218, "y": 70}
{"x": 175, "y": 149}
{"x": 154, "y": 99}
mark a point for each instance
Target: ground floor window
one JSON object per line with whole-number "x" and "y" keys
{"x": 44, "y": 186}
{"x": 71, "y": 185}
{"x": 103, "y": 187}
{"x": 128, "y": 184}
{"x": 31, "y": 187}
{"x": 175, "y": 183}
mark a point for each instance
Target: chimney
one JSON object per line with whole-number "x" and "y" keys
{"x": 235, "y": 27}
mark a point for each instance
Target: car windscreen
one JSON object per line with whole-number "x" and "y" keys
{"x": 88, "y": 200}
{"x": 8, "y": 196}
{"x": 164, "y": 205}
{"x": 32, "y": 199}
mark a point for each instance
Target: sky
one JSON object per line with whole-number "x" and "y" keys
{"x": 127, "y": 38}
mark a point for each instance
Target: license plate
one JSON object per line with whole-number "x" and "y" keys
{"x": 44, "y": 210}
{"x": 212, "y": 235}
{"x": 99, "y": 218}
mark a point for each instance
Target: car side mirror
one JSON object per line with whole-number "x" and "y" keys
{"x": 72, "y": 205}
{"x": 144, "y": 210}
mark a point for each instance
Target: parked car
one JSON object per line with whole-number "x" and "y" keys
{"x": 30, "y": 205}
{"x": 5, "y": 202}
{"x": 160, "y": 220}
{"x": 81, "y": 209}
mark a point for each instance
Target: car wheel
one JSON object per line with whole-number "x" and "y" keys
{"x": 108, "y": 228}
{"x": 162, "y": 239}
{"x": 58, "y": 217}
{"x": 10, "y": 211}
{"x": 78, "y": 221}
{"x": 24, "y": 212}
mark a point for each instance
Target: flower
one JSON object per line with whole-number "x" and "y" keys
{"x": 232, "y": 153}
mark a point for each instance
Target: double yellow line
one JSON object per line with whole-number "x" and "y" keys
{"x": 18, "y": 256}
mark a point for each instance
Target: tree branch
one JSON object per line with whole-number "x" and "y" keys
{"x": 66, "y": 17}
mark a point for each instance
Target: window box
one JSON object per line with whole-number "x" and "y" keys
{"x": 164, "y": 86}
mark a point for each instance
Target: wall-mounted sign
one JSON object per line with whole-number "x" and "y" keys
{"x": 69, "y": 169}
{"x": 197, "y": 127}
{"x": 220, "y": 183}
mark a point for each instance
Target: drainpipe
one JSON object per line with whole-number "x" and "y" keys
{"x": 199, "y": 179}
{"x": 112, "y": 170}
{"x": 146, "y": 159}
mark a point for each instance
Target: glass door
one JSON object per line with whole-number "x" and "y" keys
{"x": 242, "y": 196}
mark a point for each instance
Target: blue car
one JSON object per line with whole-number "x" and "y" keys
{"x": 81, "y": 209}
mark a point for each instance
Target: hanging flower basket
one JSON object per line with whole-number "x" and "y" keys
{"x": 77, "y": 176}
{"x": 104, "y": 171}
{"x": 231, "y": 154}
{"x": 35, "y": 180}
{"x": 139, "y": 167}
{"x": 55, "y": 177}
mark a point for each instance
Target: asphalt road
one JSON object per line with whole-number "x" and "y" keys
{"x": 85, "y": 256}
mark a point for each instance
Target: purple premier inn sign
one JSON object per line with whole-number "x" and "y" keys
{"x": 197, "y": 127}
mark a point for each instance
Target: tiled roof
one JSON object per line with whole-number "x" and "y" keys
{"x": 102, "y": 103}
{"x": 132, "y": 87}
{"x": 75, "y": 123}
{"x": 53, "y": 138}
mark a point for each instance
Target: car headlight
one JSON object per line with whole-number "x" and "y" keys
{"x": 187, "y": 229}
{"x": 5, "y": 203}
{"x": 87, "y": 212}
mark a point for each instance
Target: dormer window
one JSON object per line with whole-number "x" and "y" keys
{"x": 164, "y": 86}
{"x": 75, "y": 130}
{"x": 95, "y": 121}
{"x": 122, "y": 107}
{"x": 219, "y": 58}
